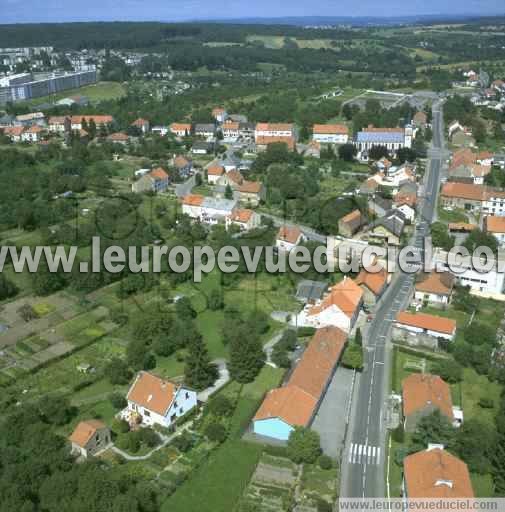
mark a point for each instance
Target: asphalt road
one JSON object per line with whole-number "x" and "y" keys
{"x": 364, "y": 457}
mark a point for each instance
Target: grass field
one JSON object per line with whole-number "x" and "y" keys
{"x": 101, "y": 91}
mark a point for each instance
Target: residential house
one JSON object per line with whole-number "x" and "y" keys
{"x": 89, "y": 437}
{"x": 245, "y": 219}
{"x": 214, "y": 172}
{"x": 429, "y": 325}
{"x": 461, "y": 228}
{"x": 206, "y": 130}
{"x": 231, "y": 131}
{"x": 405, "y": 203}
{"x": 209, "y": 210}
{"x": 462, "y": 195}
{"x": 369, "y": 187}
{"x": 469, "y": 173}
{"x": 373, "y": 285}
{"x": 180, "y": 129}
{"x": 434, "y": 288}
{"x": 339, "y": 308}
{"x": 201, "y": 147}
{"x": 498, "y": 85}
{"x": 118, "y": 138}
{"x": 159, "y": 130}
{"x": 142, "y": 124}
{"x": 495, "y": 226}
{"x": 183, "y": 165}
{"x": 155, "y": 181}
{"x": 379, "y": 206}
{"x": 249, "y": 192}
{"x": 14, "y": 133}
{"x": 350, "y": 224}
{"x": 231, "y": 161}
{"x": 422, "y": 395}
{"x": 270, "y": 133}
{"x": 288, "y": 237}
{"x": 499, "y": 161}
{"x": 101, "y": 121}
{"x": 246, "y": 129}
{"x": 296, "y": 403}
{"x": 30, "y": 119}
{"x": 435, "y": 474}
{"x": 463, "y": 156}
{"x": 463, "y": 139}
{"x": 219, "y": 114}
{"x": 6, "y": 120}
{"x": 485, "y": 158}
{"x": 330, "y": 133}
{"x": 59, "y": 124}
{"x": 388, "y": 229}
{"x": 310, "y": 292}
{"x": 420, "y": 119}
{"x": 32, "y": 134}
{"x": 156, "y": 401}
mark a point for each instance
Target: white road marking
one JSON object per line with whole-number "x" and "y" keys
{"x": 364, "y": 454}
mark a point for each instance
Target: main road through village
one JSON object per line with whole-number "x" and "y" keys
{"x": 365, "y": 454}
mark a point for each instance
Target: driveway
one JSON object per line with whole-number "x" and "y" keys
{"x": 224, "y": 377}
{"x": 331, "y": 419}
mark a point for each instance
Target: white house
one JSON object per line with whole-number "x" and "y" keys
{"x": 339, "y": 308}
{"x": 159, "y": 130}
{"x": 214, "y": 172}
{"x": 244, "y": 218}
{"x": 434, "y": 288}
{"x": 289, "y": 237}
{"x": 422, "y": 323}
{"x": 479, "y": 277}
{"x": 209, "y": 210}
{"x": 330, "y": 133}
{"x": 180, "y": 129}
{"x": 391, "y": 138}
{"x": 231, "y": 131}
{"x": 274, "y": 130}
{"x": 32, "y": 134}
{"x": 219, "y": 114}
{"x": 155, "y": 401}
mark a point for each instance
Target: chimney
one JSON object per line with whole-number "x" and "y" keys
{"x": 435, "y": 446}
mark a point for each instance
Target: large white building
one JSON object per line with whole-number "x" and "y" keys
{"x": 209, "y": 210}
{"x": 330, "y": 133}
{"x": 468, "y": 273}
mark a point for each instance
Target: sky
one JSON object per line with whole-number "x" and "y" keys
{"x": 28, "y": 11}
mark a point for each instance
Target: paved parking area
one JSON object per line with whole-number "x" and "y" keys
{"x": 331, "y": 416}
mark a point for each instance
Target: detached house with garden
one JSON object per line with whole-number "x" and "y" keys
{"x": 156, "y": 401}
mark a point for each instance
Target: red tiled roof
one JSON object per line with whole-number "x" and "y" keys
{"x": 193, "y": 200}
{"x": 84, "y": 431}
{"x": 152, "y": 393}
{"x": 330, "y": 129}
{"x": 289, "y": 234}
{"x": 264, "y": 140}
{"x": 374, "y": 281}
{"x": 464, "y": 191}
{"x": 425, "y": 321}
{"x": 159, "y": 173}
{"x": 435, "y": 473}
{"x": 98, "y": 119}
{"x": 346, "y": 295}
{"x": 438, "y": 283}
{"x": 274, "y": 127}
{"x": 215, "y": 170}
{"x": 180, "y": 127}
{"x": 242, "y": 215}
{"x": 494, "y": 224}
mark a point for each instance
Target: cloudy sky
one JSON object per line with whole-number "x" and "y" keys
{"x": 13, "y": 11}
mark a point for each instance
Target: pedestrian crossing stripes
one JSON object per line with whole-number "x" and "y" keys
{"x": 364, "y": 454}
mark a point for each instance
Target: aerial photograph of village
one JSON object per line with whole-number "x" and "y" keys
{"x": 252, "y": 256}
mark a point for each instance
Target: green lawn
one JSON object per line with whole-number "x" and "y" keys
{"x": 217, "y": 485}
{"x": 456, "y": 215}
{"x": 101, "y": 91}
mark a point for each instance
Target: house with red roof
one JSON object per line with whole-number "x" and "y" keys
{"x": 330, "y": 133}
{"x": 90, "y": 437}
{"x": 436, "y": 474}
{"x": 142, "y": 124}
{"x": 434, "y": 288}
{"x": 156, "y": 401}
{"x": 340, "y": 307}
{"x": 423, "y": 326}
{"x": 155, "y": 181}
{"x": 422, "y": 395}
{"x": 373, "y": 284}
{"x": 296, "y": 403}
{"x": 288, "y": 237}
{"x": 244, "y": 218}
{"x": 32, "y": 134}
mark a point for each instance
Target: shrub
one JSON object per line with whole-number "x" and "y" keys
{"x": 325, "y": 462}
{"x": 148, "y": 437}
{"x": 486, "y": 403}
{"x": 118, "y": 401}
{"x": 216, "y": 432}
{"x": 120, "y": 426}
{"x": 220, "y": 406}
{"x": 184, "y": 442}
{"x": 323, "y": 506}
{"x": 305, "y": 332}
{"x": 398, "y": 434}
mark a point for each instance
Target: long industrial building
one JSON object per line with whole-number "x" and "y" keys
{"x": 27, "y": 86}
